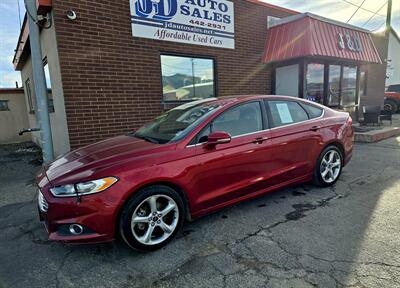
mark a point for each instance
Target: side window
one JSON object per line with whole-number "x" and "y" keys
{"x": 202, "y": 137}
{"x": 286, "y": 112}
{"x": 239, "y": 120}
{"x": 313, "y": 112}
{"x": 394, "y": 88}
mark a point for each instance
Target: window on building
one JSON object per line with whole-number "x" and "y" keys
{"x": 187, "y": 78}
{"x": 46, "y": 73}
{"x": 285, "y": 75}
{"x": 239, "y": 120}
{"x": 4, "y": 105}
{"x": 315, "y": 82}
{"x": 31, "y": 100}
{"x": 286, "y": 112}
{"x": 349, "y": 86}
{"x": 48, "y": 85}
{"x": 334, "y": 85}
{"x": 363, "y": 83}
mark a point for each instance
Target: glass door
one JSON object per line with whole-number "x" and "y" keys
{"x": 333, "y": 94}
{"x": 315, "y": 82}
{"x": 349, "y": 86}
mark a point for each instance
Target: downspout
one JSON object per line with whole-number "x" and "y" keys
{"x": 39, "y": 83}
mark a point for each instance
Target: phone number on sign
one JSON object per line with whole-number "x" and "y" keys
{"x": 210, "y": 25}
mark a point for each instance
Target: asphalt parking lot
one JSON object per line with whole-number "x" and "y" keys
{"x": 303, "y": 236}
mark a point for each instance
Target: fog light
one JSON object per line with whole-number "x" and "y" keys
{"x": 75, "y": 229}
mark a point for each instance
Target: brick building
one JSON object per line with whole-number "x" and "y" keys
{"x": 108, "y": 75}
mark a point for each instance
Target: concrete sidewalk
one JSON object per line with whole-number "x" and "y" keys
{"x": 370, "y": 134}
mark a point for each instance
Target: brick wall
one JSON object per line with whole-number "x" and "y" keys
{"x": 112, "y": 81}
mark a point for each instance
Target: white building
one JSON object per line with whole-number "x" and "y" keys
{"x": 393, "y": 63}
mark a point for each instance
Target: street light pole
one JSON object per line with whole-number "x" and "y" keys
{"x": 39, "y": 83}
{"x": 389, "y": 15}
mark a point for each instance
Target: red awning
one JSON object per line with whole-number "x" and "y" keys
{"x": 310, "y": 35}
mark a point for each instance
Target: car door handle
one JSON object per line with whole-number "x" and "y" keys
{"x": 260, "y": 140}
{"x": 315, "y": 128}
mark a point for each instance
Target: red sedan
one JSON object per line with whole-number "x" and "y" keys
{"x": 192, "y": 160}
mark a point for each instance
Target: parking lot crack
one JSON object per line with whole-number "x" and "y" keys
{"x": 299, "y": 212}
{"x": 61, "y": 267}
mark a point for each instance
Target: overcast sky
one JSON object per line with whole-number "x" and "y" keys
{"x": 340, "y": 10}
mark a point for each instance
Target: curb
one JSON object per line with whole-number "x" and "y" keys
{"x": 376, "y": 135}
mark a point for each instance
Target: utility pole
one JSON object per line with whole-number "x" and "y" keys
{"x": 39, "y": 82}
{"x": 389, "y": 16}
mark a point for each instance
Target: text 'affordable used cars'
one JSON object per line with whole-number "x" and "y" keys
{"x": 190, "y": 161}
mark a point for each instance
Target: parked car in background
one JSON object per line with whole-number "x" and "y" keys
{"x": 192, "y": 160}
{"x": 392, "y": 97}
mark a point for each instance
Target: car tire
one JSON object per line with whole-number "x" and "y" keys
{"x": 152, "y": 218}
{"x": 327, "y": 170}
{"x": 393, "y": 105}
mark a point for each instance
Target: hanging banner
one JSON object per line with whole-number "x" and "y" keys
{"x": 200, "y": 22}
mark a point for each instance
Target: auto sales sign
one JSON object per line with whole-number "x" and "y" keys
{"x": 201, "y": 22}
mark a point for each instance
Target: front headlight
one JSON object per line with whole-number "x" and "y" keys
{"x": 84, "y": 188}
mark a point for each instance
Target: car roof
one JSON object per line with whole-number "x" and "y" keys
{"x": 225, "y": 100}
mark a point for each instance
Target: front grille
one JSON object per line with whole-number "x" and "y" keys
{"x": 43, "y": 205}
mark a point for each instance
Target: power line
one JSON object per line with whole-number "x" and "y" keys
{"x": 355, "y": 12}
{"x": 362, "y": 8}
{"x": 373, "y": 15}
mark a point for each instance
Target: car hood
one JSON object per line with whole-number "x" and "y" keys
{"x": 84, "y": 162}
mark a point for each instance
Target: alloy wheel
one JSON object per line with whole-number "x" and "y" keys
{"x": 330, "y": 166}
{"x": 155, "y": 219}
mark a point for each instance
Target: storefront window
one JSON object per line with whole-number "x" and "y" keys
{"x": 315, "y": 82}
{"x": 334, "y": 85}
{"x": 349, "y": 86}
{"x": 287, "y": 80}
{"x": 187, "y": 78}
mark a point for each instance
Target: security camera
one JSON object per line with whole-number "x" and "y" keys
{"x": 71, "y": 14}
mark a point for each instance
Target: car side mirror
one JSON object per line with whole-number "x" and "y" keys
{"x": 218, "y": 137}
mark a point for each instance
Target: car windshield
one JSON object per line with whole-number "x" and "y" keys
{"x": 176, "y": 123}
{"x": 394, "y": 88}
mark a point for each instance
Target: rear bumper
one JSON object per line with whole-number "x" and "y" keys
{"x": 348, "y": 144}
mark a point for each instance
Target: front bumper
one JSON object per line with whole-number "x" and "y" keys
{"x": 96, "y": 213}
